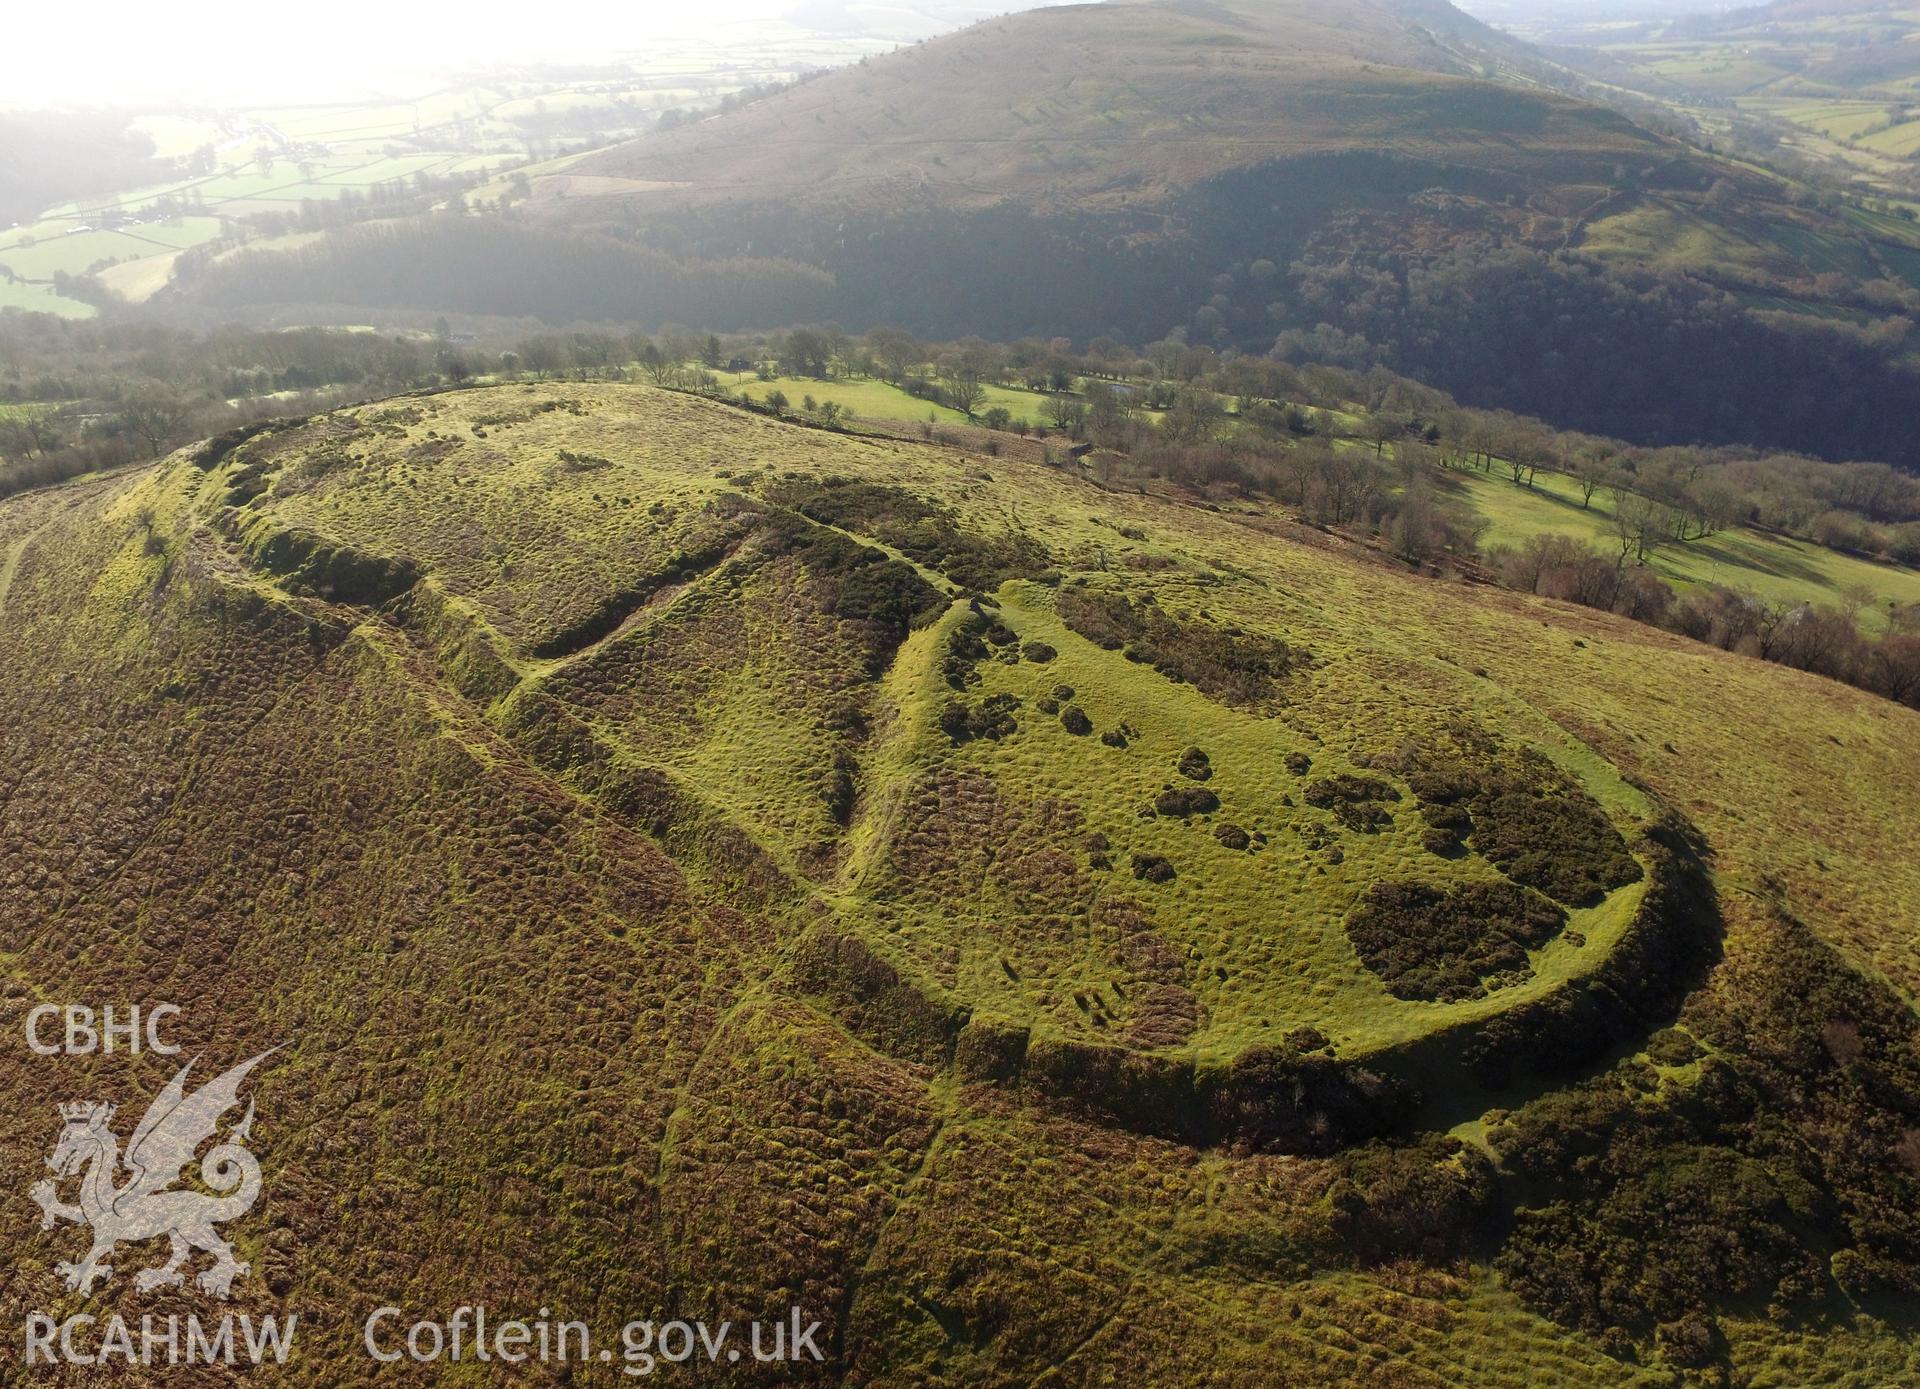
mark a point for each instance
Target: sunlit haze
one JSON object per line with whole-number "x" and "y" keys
{"x": 225, "y": 51}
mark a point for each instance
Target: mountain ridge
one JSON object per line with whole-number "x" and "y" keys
{"x": 1252, "y": 65}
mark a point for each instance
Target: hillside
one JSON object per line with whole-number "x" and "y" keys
{"x": 697, "y": 863}
{"x": 1229, "y": 175}
{"x": 1114, "y": 106}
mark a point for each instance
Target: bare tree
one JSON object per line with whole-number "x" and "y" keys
{"x": 1590, "y": 471}
{"x": 966, "y": 392}
{"x": 896, "y": 351}
{"x": 1064, "y": 412}
{"x": 1893, "y": 665}
{"x": 1642, "y": 525}
{"x": 1773, "y": 622}
{"x": 28, "y": 435}
{"x": 1195, "y": 418}
{"x": 658, "y": 365}
{"x": 158, "y": 418}
{"x": 1381, "y": 430}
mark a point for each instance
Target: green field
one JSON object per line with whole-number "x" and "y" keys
{"x": 1770, "y": 566}
{"x": 143, "y": 254}
{"x": 136, "y": 281}
{"x": 242, "y": 185}
{"x": 1662, "y": 231}
{"x": 42, "y": 250}
{"x": 269, "y": 160}
{"x": 1838, "y": 83}
{"x": 877, "y": 400}
{"x": 31, "y": 298}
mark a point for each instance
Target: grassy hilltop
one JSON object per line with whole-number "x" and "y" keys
{"x": 701, "y": 862}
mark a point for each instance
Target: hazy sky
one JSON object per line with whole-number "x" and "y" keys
{"x": 124, "y": 52}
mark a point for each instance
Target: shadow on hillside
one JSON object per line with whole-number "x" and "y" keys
{"x": 1588, "y": 1023}
{"x": 1277, "y": 1099}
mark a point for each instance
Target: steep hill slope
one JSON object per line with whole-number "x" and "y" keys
{"x": 1236, "y": 174}
{"x": 1109, "y": 106}
{"x": 698, "y": 864}
{"x": 1143, "y": 169}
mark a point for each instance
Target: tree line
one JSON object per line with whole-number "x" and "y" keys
{"x": 1264, "y": 265}
{"x": 1372, "y": 452}
{"x": 449, "y": 263}
{"x": 76, "y": 397}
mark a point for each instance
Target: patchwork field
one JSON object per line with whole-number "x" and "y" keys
{"x": 275, "y": 159}
{"x": 1836, "y": 81}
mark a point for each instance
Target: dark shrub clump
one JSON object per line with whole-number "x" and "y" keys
{"x": 1354, "y": 801}
{"x": 966, "y": 648}
{"x": 1784, "y": 1174}
{"x": 1524, "y": 814}
{"x": 1152, "y": 868}
{"x": 991, "y": 718}
{"x": 1328, "y": 792}
{"x": 1223, "y": 663}
{"x": 1563, "y": 844}
{"x": 1180, "y": 802}
{"x": 923, "y": 532}
{"x": 1445, "y": 944}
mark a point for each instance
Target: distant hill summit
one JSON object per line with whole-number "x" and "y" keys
{"x": 1111, "y": 106}
{"x": 1362, "y": 183}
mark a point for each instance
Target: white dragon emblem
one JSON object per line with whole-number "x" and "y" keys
{"x": 164, "y": 1142}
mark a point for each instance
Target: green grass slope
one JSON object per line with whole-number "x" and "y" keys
{"x": 664, "y": 843}
{"x": 1774, "y": 567}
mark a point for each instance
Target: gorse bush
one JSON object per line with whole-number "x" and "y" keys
{"x": 1560, "y": 842}
{"x": 991, "y": 718}
{"x": 918, "y": 529}
{"x": 1231, "y": 836}
{"x": 1226, "y": 664}
{"x": 1446, "y": 944}
{"x": 1354, "y": 801}
{"x": 1522, "y": 814}
{"x": 1182, "y": 801}
{"x": 1152, "y": 868}
{"x": 1778, "y": 1173}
